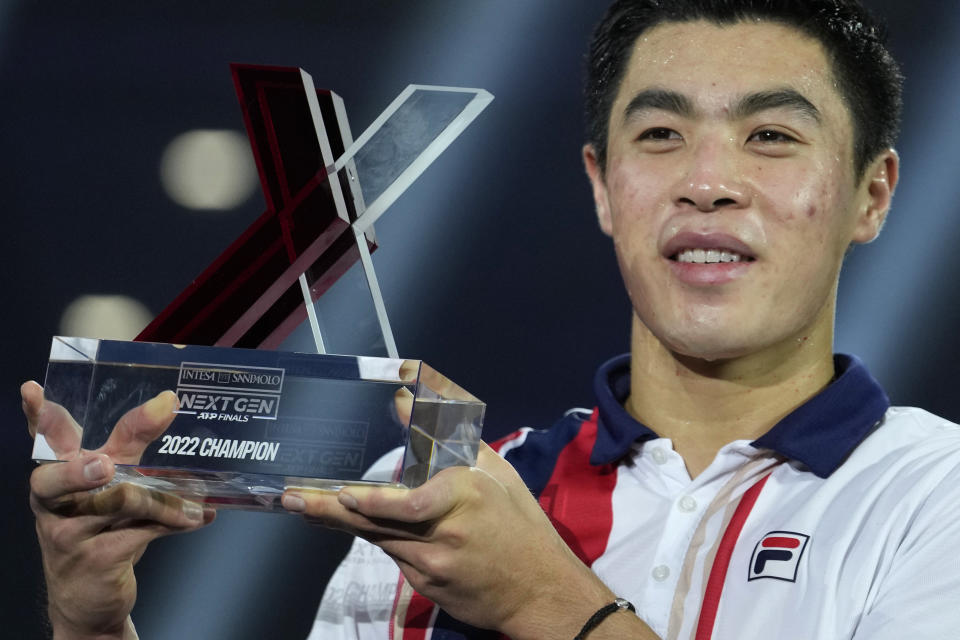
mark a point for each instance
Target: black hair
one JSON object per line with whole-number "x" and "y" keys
{"x": 867, "y": 76}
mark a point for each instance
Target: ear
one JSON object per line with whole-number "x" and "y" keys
{"x": 877, "y": 187}
{"x": 592, "y": 164}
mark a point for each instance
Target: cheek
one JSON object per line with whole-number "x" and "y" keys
{"x": 826, "y": 213}
{"x": 800, "y": 199}
{"x": 630, "y": 206}
{"x": 636, "y": 188}
{"x": 625, "y": 188}
{"x": 803, "y": 203}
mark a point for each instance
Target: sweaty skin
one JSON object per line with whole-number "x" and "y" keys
{"x": 733, "y": 139}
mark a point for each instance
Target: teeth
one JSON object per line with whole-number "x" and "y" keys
{"x": 708, "y": 256}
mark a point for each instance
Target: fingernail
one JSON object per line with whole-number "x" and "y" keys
{"x": 93, "y": 470}
{"x": 159, "y": 406}
{"x": 292, "y": 502}
{"x": 347, "y": 500}
{"x": 193, "y": 511}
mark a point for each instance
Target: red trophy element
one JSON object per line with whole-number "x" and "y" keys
{"x": 248, "y": 296}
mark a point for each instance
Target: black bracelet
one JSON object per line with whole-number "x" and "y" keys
{"x": 602, "y": 614}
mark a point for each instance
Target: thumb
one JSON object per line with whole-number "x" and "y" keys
{"x": 139, "y": 427}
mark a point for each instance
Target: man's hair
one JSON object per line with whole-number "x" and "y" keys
{"x": 866, "y": 75}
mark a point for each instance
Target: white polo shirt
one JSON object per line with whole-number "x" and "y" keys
{"x": 842, "y": 521}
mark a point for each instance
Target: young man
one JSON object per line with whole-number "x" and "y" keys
{"x": 737, "y": 479}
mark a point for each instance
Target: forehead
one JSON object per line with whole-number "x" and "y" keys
{"x": 713, "y": 64}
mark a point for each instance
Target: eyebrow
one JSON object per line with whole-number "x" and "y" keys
{"x": 753, "y": 103}
{"x": 659, "y": 99}
{"x": 744, "y": 106}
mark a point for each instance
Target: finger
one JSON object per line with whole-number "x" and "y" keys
{"x": 429, "y": 501}
{"x": 117, "y": 538}
{"x": 411, "y": 573}
{"x": 442, "y": 385}
{"x": 439, "y": 496}
{"x": 416, "y": 371}
{"x": 54, "y": 480}
{"x": 489, "y": 457}
{"x": 409, "y": 370}
{"x": 323, "y": 508}
{"x": 31, "y": 398}
{"x": 403, "y": 402}
{"x": 139, "y": 515}
{"x": 129, "y": 507}
{"x": 144, "y": 506}
{"x": 139, "y": 427}
{"x": 63, "y": 489}
{"x": 494, "y": 464}
{"x": 50, "y": 420}
{"x": 135, "y": 535}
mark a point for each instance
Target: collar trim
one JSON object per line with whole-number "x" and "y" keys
{"x": 820, "y": 433}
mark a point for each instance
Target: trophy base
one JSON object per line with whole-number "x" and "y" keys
{"x": 227, "y": 490}
{"x": 249, "y": 424}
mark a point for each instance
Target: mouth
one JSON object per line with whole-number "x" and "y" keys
{"x": 707, "y": 248}
{"x": 709, "y": 256}
{"x": 708, "y": 259}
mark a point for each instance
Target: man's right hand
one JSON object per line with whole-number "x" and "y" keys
{"x": 90, "y": 541}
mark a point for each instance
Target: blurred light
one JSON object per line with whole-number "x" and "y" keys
{"x": 105, "y": 317}
{"x": 208, "y": 169}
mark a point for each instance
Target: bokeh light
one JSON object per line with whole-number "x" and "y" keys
{"x": 108, "y": 317}
{"x": 210, "y": 170}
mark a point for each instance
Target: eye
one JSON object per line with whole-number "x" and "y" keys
{"x": 659, "y": 133}
{"x": 770, "y": 136}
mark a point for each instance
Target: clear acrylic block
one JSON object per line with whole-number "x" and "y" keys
{"x": 252, "y": 423}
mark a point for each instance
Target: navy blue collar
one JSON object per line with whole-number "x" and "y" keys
{"x": 820, "y": 433}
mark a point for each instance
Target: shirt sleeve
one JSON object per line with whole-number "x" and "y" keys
{"x": 919, "y": 598}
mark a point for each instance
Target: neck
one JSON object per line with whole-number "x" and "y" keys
{"x": 703, "y": 405}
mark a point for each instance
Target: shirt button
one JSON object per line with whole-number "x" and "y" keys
{"x": 658, "y": 455}
{"x": 687, "y": 504}
{"x": 661, "y": 572}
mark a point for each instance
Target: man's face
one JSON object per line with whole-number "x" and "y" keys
{"x": 729, "y": 188}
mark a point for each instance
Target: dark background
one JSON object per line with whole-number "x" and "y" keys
{"x": 491, "y": 265}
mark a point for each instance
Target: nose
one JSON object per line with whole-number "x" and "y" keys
{"x": 713, "y": 179}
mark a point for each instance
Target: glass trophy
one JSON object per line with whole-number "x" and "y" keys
{"x": 251, "y": 423}
{"x": 251, "y": 420}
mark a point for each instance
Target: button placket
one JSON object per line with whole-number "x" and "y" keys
{"x": 660, "y": 572}
{"x": 687, "y": 504}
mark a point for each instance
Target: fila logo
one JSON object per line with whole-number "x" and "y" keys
{"x": 777, "y": 556}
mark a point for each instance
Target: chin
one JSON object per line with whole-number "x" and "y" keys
{"x": 709, "y": 353}
{"x": 709, "y": 346}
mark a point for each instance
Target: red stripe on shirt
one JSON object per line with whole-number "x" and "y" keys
{"x": 420, "y": 610}
{"x": 718, "y": 572}
{"x": 578, "y": 498}
{"x": 579, "y": 504}
{"x": 418, "y": 618}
